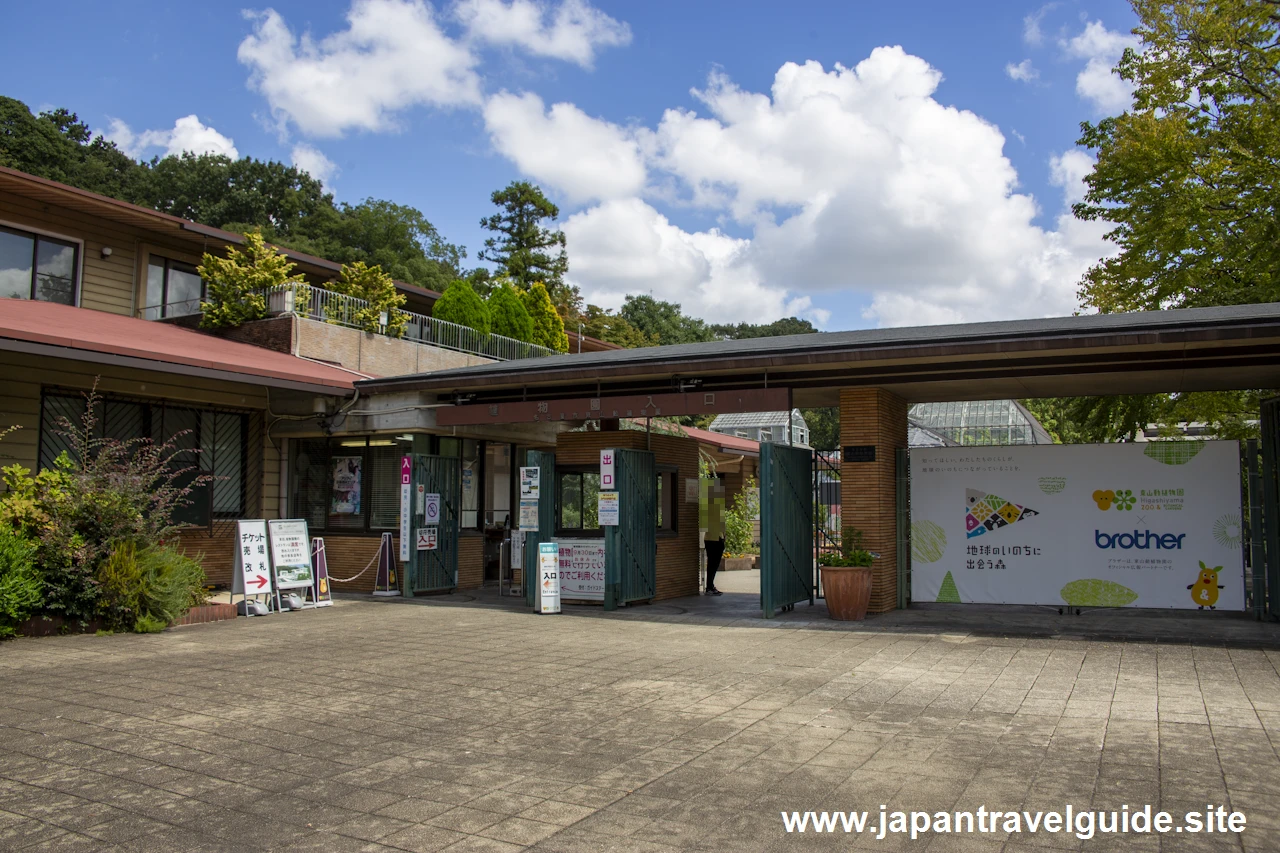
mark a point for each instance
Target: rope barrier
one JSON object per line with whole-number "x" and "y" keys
{"x": 368, "y": 566}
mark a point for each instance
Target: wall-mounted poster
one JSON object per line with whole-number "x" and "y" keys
{"x": 346, "y": 486}
{"x": 1084, "y": 525}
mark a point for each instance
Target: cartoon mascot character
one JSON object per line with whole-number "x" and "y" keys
{"x": 1204, "y": 592}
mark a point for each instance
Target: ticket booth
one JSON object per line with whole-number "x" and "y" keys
{"x": 652, "y": 552}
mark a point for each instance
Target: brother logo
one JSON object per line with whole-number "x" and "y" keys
{"x": 1142, "y": 541}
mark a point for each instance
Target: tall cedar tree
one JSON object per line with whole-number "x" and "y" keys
{"x": 461, "y": 305}
{"x": 523, "y": 249}
{"x": 509, "y": 316}
{"x": 548, "y": 328}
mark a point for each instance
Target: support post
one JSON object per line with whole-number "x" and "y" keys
{"x": 873, "y": 426}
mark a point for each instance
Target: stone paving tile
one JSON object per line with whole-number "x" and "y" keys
{"x": 455, "y": 726}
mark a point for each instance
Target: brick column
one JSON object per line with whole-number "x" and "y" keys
{"x": 872, "y": 417}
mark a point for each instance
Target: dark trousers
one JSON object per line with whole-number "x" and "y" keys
{"x": 715, "y": 550}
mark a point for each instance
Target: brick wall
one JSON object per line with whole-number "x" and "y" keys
{"x": 868, "y": 490}
{"x": 274, "y": 333}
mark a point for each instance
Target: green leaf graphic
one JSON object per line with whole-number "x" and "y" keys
{"x": 1094, "y": 592}
{"x": 1173, "y": 452}
{"x": 928, "y": 541}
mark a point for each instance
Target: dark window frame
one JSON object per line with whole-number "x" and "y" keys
{"x": 163, "y": 306}
{"x": 36, "y": 238}
{"x": 334, "y": 448}
{"x": 580, "y": 532}
{"x": 151, "y": 424}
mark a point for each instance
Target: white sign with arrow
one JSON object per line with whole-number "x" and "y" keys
{"x": 252, "y": 575}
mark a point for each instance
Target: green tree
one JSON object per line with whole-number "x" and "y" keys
{"x": 237, "y": 283}
{"x": 461, "y": 305}
{"x": 785, "y": 326}
{"x": 664, "y": 321}
{"x": 376, "y": 288}
{"x": 238, "y": 195}
{"x": 522, "y": 247}
{"x": 1190, "y": 175}
{"x": 605, "y": 325}
{"x": 509, "y": 315}
{"x": 824, "y": 428}
{"x": 56, "y": 145}
{"x": 548, "y": 328}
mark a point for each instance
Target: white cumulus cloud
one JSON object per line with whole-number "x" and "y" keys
{"x": 625, "y": 246}
{"x": 1031, "y": 32}
{"x": 392, "y": 55}
{"x": 852, "y": 180}
{"x": 572, "y": 31}
{"x": 584, "y": 158}
{"x": 1023, "y": 72}
{"x": 188, "y": 134}
{"x": 313, "y": 161}
{"x": 1096, "y": 82}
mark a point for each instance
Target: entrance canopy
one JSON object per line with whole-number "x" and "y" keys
{"x": 1195, "y": 349}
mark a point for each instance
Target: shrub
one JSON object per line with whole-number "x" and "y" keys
{"x": 509, "y": 316}
{"x": 851, "y": 552}
{"x": 21, "y": 589}
{"x": 377, "y": 289}
{"x": 172, "y": 583}
{"x": 120, "y": 587}
{"x": 548, "y": 328}
{"x": 101, "y": 494}
{"x": 461, "y": 305}
{"x": 739, "y": 520}
{"x": 238, "y": 282}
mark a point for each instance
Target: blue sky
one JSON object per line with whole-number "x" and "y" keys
{"x": 915, "y": 170}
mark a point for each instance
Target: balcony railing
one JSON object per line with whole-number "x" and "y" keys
{"x": 319, "y": 304}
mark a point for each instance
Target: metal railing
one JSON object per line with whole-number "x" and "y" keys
{"x": 316, "y": 303}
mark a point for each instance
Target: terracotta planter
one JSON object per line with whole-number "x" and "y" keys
{"x": 848, "y": 591}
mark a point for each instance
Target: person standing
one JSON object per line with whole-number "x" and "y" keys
{"x": 713, "y": 534}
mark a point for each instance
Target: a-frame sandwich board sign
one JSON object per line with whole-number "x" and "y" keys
{"x": 251, "y": 575}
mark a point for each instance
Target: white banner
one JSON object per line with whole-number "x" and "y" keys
{"x": 582, "y": 569}
{"x": 1139, "y": 525}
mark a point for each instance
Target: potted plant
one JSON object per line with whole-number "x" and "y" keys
{"x": 846, "y": 579}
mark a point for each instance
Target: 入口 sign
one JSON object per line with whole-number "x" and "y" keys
{"x": 428, "y": 537}
{"x": 548, "y": 578}
{"x": 406, "y": 505}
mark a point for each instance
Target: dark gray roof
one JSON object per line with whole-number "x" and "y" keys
{"x": 751, "y": 420}
{"x": 669, "y": 357}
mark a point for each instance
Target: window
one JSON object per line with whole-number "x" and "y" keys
{"x": 577, "y": 502}
{"x": 174, "y": 289}
{"x": 468, "y": 449}
{"x": 766, "y": 434}
{"x": 210, "y": 441}
{"x": 668, "y": 510}
{"x": 348, "y": 484}
{"x": 33, "y": 266}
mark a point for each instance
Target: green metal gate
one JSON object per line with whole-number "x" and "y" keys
{"x": 545, "y": 462}
{"x": 434, "y": 570}
{"x": 1270, "y": 533}
{"x": 786, "y": 527}
{"x": 631, "y": 548}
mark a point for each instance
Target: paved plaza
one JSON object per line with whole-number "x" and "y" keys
{"x": 469, "y": 724}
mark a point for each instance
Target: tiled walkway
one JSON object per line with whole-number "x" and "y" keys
{"x": 477, "y": 726}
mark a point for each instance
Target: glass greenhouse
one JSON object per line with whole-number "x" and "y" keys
{"x": 980, "y": 422}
